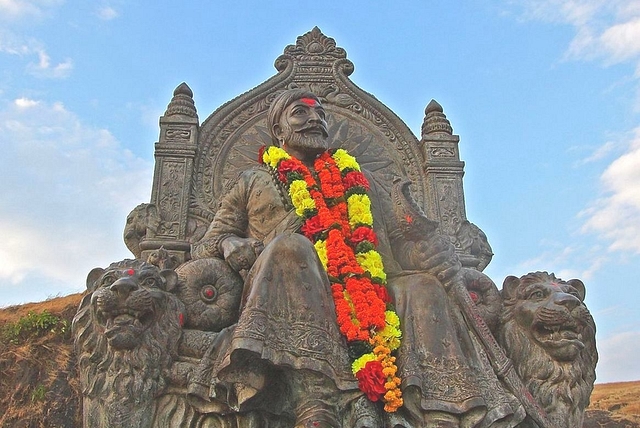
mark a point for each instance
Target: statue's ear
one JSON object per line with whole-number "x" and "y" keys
{"x": 277, "y": 130}
{"x": 170, "y": 279}
{"x": 93, "y": 277}
{"x": 578, "y": 285}
{"x": 509, "y": 286}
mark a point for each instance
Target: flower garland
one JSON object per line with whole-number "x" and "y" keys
{"x": 337, "y": 218}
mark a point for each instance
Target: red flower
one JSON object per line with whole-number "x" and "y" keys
{"x": 382, "y": 293}
{"x": 312, "y": 226}
{"x": 356, "y": 178}
{"x": 260, "y": 153}
{"x": 363, "y": 233}
{"x": 371, "y": 380}
{"x": 286, "y": 166}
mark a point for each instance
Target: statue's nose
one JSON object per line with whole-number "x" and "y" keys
{"x": 123, "y": 286}
{"x": 315, "y": 117}
{"x": 568, "y": 300}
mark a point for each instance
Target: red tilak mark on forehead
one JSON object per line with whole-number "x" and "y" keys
{"x": 309, "y": 101}
{"x": 130, "y": 272}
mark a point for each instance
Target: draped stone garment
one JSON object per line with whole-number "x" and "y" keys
{"x": 288, "y": 317}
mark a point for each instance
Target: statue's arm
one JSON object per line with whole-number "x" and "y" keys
{"x": 230, "y": 221}
{"x": 415, "y": 240}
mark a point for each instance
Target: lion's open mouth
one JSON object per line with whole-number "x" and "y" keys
{"x": 557, "y": 335}
{"x": 118, "y": 320}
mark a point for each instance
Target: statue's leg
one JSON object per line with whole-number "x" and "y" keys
{"x": 288, "y": 325}
{"x": 435, "y": 359}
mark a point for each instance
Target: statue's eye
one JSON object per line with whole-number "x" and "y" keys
{"x": 536, "y": 295}
{"x": 149, "y": 282}
{"x": 208, "y": 293}
{"x": 108, "y": 279}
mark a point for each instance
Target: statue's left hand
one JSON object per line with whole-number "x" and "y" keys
{"x": 437, "y": 256}
{"x": 241, "y": 253}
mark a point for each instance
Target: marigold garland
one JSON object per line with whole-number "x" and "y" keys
{"x": 337, "y": 218}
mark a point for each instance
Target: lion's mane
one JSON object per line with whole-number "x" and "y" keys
{"x": 120, "y": 383}
{"x": 562, "y": 383}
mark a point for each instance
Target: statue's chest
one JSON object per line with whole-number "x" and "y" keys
{"x": 268, "y": 204}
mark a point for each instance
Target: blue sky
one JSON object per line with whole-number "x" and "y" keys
{"x": 545, "y": 96}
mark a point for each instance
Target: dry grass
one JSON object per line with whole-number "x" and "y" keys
{"x": 621, "y": 399}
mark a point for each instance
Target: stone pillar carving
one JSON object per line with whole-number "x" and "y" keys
{"x": 174, "y": 153}
{"x": 444, "y": 171}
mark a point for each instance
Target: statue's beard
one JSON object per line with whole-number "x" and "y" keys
{"x": 304, "y": 141}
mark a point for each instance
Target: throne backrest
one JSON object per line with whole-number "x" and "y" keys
{"x": 195, "y": 164}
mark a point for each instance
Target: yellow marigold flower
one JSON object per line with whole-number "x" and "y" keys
{"x": 359, "y": 210}
{"x": 371, "y": 262}
{"x": 321, "y": 249}
{"x": 272, "y": 155}
{"x": 392, "y": 319}
{"x": 361, "y": 362}
{"x": 300, "y": 197}
{"x": 391, "y": 333}
{"x": 344, "y": 160}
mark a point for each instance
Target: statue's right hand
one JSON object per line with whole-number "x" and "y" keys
{"x": 240, "y": 253}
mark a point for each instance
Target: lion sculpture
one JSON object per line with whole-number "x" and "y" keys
{"x": 549, "y": 334}
{"x": 127, "y": 332}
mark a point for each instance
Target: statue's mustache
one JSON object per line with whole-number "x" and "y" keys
{"x": 314, "y": 128}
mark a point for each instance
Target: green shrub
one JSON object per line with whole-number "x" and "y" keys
{"x": 33, "y": 325}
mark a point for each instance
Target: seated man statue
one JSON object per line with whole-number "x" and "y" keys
{"x": 346, "y": 318}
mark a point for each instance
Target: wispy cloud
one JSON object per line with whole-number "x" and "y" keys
{"x": 616, "y": 215}
{"x": 11, "y": 10}
{"x": 608, "y": 31}
{"x": 107, "y": 13}
{"x": 45, "y": 69}
{"x": 67, "y": 188}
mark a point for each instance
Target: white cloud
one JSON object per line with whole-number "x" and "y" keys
{"x": 67, "y": 189}
{"x": 598, "y": 154}
{"x": 616, "y": 215}
{"x": 107, "y": 13}
{"x": 24, "y": 103}
{"x": 618, "y": 357}
{"x": 17, "y": 8}
{"x": 43, "y": 68}
{"x": 28, "y": 9}
{"x": 607, "y": 29}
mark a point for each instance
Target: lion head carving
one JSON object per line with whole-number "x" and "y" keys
{"x": 140, "y": 220}
{"x": 211, "y": 291}
{"x": 126, "y": 331}
{"x": 549, "y": 334}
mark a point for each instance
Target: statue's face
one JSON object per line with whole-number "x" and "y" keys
{"x": 303, "y": 128}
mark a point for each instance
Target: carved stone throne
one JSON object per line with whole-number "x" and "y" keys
{"x": 195, "y": 162}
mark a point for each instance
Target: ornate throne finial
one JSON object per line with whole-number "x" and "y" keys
{"x": 435, "y": 121}
{"x": 182, "y": 102}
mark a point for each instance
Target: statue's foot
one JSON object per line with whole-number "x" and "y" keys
{"x": 434, "y": 419}
{"x": 316, "y": 414}
{"x": 364, "y": 414}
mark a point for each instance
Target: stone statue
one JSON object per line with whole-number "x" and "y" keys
{"x": 306, "y": 261}
{"x": 288, "y": 312}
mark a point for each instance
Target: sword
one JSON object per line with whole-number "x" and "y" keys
{"x": 416, "y": 226}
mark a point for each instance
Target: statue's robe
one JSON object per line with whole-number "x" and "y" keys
{"x": 288, "y": 316}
